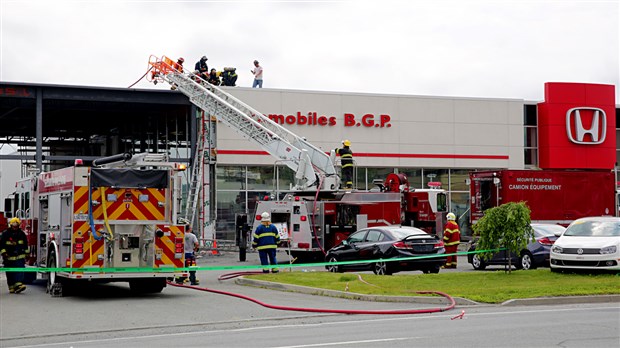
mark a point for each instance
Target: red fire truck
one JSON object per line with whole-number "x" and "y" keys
{"x": 553, "y": 196}
{"x": 311, "y": 224}
{"x": 114, "y": 221}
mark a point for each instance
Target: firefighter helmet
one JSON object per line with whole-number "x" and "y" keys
{"x": 346, "y": 142}
{"x": 181, "y": 60}
{"x": 451, "y": 217}
{"x": 204, "y": 58}
{"x": 265, "y": 217}
{"x": 14, "y": 220}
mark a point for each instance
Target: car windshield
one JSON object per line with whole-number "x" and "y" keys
{"x": 594, "y": 228}
{"x": 402, "y": 233}
{"x": 547, "y": 230}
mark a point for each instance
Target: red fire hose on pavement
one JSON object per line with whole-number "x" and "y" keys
{"x": 451, "y": 301}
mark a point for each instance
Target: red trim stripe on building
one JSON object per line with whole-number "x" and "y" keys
{"x": 389, "y": 155}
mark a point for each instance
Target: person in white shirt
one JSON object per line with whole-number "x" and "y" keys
{"x": 191, "y": 246}
{"x": 258, "y": 75}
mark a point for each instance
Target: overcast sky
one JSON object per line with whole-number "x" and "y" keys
{"x": 441, "y": 48}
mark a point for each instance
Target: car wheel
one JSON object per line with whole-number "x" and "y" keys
{"x": 381, "y": 268}
{"x": 333, "y": 268}
{"x": 526, "y": 261}
{"x": 477, "y": 262}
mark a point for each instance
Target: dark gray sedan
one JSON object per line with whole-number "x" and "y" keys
{"x": 372, "y": 248}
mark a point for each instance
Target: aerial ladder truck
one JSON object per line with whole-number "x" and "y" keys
{"x": 317, "y": 216}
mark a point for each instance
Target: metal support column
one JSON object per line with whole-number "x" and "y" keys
{"x": 39, "y": 130}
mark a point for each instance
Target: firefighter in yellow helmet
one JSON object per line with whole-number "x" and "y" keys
{"x": 14, "y": 248}
{"x": 346, "y": 162}
{"x": 265, "y": 240}
{"x": 451, "y": 240}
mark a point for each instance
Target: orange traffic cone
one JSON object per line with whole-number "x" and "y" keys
{"x": 214, "y": 251}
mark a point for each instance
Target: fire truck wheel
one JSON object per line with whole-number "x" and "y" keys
{"x": 382, "y": 268}
{"x": 477, "y": 262}
{"x": 526, "y": 262}
{"x": 333, "y": 268}
{"x": 54, "y": 283}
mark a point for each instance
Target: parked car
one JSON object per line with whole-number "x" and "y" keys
{"x": 591, "y": 243}
{"x": 377, "y": 245}
{"x": 535, "y": 255}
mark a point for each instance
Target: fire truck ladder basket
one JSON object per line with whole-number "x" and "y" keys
{"x": 305, "y": 159}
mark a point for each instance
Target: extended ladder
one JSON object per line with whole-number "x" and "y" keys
{"x": 196, "y": 179}
{"x": 314, "y": 169}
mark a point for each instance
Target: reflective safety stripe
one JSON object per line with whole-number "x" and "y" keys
{"x": 10, "y": 242}
{"x": 13, "y": 258}
{"x": 263, "y": 247}
{"x": 347, "y": 165}
{"x": 451, "y": 243}
{"x": 267, "y": 234}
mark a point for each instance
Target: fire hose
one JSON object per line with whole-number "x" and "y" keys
{"x": 450, "y": 306}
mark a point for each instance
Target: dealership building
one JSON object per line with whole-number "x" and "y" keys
{"x": 428, "y": 138}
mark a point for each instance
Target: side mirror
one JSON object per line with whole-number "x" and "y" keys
{"x": 344, "y": 242}
{"x": 557, "y": 234}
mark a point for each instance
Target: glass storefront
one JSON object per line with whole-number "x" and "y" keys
{"x": 240, "y": 187}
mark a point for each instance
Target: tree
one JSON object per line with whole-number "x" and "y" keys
{"x": 506, "y": 226}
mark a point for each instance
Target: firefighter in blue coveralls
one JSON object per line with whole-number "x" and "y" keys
{"x": 265, "y": 240}
{"x": 14, "y": 249}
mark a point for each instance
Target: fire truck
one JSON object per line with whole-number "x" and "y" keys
{"x": 318, "y": 215}
{"x": 116, "y": 220}
{"x": 309, "y": 225}
{"x": 553, "y": 196}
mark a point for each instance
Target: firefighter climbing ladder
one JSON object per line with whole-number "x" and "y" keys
{"x": 313, "y": 168}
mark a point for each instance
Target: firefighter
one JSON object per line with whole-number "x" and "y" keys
{"x": 202, "y": 69}
{"x": 191, "y": 247}
{"x": 14, "y": 248}
{"x": 346, "y": 161}
{"x": 178, "y": 66}
{"x": 214, "y": 77}
{"x": 265, "y": 240}
{"x": 451, "y": 240}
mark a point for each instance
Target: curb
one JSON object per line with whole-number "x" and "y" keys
{"x": 426, "y": 299}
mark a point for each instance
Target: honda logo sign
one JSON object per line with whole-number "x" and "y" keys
{"x": 576, "y": 131}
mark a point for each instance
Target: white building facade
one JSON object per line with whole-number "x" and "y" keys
{"x": 431, "y": 139}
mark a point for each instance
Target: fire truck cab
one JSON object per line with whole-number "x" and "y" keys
{"x": 114, "y": 221}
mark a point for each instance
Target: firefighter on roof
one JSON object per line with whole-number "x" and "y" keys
{"x": 346, "y": 160}
{"x": 265, "y": 240}
{"x": 451, "y": 240}
{"x": 14, "y": 248}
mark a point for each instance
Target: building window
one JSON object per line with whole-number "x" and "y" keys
{"x": 530, "y": 132}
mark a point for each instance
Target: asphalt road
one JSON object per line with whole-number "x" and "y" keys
{"x": 111, "y": 316}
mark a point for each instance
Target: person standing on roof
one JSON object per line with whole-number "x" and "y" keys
{"x": 202, "y": 69}
{"x": 14, "y": 248}
{"x": 258, "y": 75}
{"x": 346, "y": 162}
{"x": 451, "y": 240}
{"x": 265, "y": 240}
